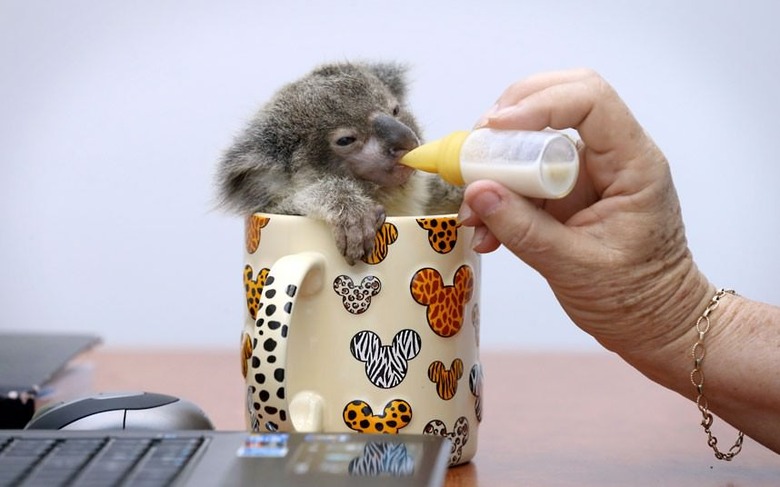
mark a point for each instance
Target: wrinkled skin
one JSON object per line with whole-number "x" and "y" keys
{"x": 621, "y": 224}
{"x": 615, "y": 254}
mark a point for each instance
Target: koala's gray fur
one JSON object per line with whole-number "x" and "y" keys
{"x": 327, "y": 146}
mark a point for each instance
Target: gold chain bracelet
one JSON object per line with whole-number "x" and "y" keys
{"x": 697, "y": 379}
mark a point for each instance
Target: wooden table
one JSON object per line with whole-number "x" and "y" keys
{"x": 551, "y": 419}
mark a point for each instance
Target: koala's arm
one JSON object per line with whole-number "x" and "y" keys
{"x": 250, "y": 181}
{"x": 443, "y": 198}
{"x": 343, "y": 203}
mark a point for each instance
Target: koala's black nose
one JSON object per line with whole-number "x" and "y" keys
{"x": 397, "y": 138}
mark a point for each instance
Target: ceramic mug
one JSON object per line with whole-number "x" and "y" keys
{"x": 388, "y": 345}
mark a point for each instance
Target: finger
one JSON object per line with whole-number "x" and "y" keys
{"x": 532, "y": 84}
{"x": 619, "y": 154}
{"x": 484, "y": 241}
{"x": 589, "y": 105}
{"x": 523, "y": 228}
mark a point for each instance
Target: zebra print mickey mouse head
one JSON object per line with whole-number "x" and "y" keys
{"x": 386, "y": 365}
{"x": 383, "y": 457}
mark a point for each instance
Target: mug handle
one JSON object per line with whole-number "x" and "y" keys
{"x": 290, "y": 277}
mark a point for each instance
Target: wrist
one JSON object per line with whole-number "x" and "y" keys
{"x": 665, "y": 356}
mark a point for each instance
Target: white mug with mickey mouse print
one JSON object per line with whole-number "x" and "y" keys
{"x": 388, "y": 345}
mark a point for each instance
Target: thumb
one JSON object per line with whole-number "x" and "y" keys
{"x": 524, "y": 228}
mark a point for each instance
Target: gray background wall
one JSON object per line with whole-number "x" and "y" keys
{"x": 113, "y": 115}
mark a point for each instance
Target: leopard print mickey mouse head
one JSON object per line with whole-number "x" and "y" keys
{"x": 459, "y": 435}
{"x": 356, "y": 298}
{"x": 442, "y": 233}
{"x": 253, "y": 288}
{"x": 358, "y": 416}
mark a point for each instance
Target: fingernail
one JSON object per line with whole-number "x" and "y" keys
{"x": 479, "y": 235}
{"x": 506, "y": 110}
{"x": 486, "y": 116}
{"x": 464, "y": 213}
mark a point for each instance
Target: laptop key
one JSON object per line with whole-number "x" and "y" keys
{"x": 63, "y": 461}
{"x": 94, "y": 461}
{"x": 115, "y": 462}
{"x": 18, "y": 456}
{"x": 165, "y": 459}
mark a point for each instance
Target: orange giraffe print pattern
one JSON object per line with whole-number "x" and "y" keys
{"x": 252, "y": 228}
{"x": 445, "y": 304}
{"x": 246, "y": 353}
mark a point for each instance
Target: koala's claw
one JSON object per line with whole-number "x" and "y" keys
{"x": 355, "y": 232}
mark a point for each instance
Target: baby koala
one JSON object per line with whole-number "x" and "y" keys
{"x": 327, "y": 146}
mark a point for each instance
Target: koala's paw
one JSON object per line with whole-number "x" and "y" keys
{"x": 355, "y": 231}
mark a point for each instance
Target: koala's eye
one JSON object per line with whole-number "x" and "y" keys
{"x": 345, "y": 141}
{"x": 396, "y": 110}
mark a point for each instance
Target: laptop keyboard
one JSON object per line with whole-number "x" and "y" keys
{"x": 98, "y": 461}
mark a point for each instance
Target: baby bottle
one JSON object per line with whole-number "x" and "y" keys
{"x": 535, "y": 164}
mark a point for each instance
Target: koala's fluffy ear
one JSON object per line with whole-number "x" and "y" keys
{"x": 391, "y": 74}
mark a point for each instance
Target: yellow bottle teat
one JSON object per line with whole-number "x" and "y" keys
{"x": 440, "y": 156}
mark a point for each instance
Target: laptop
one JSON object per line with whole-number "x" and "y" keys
{"x": 220, "y": 458}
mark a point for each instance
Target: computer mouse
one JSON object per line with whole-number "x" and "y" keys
{"x": 122, "y": 411}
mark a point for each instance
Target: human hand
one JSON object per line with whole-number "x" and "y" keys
{"x": 614, "y": 250}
